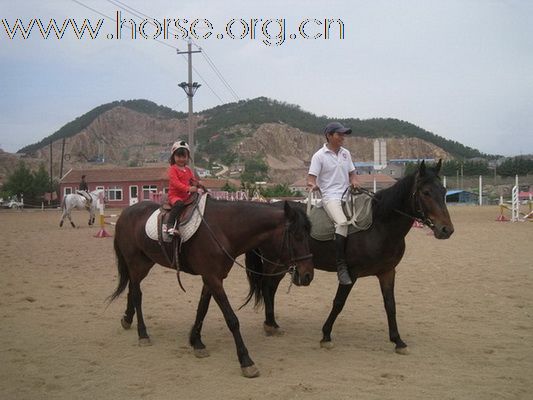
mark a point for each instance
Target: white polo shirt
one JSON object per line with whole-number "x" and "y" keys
{"x": 332, "y": 171}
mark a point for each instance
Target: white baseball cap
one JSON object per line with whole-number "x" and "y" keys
{"x": 179, "y": 145}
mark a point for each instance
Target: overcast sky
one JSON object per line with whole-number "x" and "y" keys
{"x": 460, "y": 69}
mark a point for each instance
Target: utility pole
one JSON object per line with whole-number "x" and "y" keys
{"x": 190, "y": 88}
{"x": 462, "y": 177}
{"x": 51, "y": 176}
{"x": 62, "y": 158}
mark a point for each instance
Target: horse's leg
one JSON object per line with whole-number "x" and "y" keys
{"x": 138, "y": 266}
{"x": 62, "y": 218}
{"x": 127, "y": 319}
{"x": 338, "y": 303}
{"x": 136, "y": 294}
{"x": 270, "y": 286}
{"x": 195, "y": 338}
{"x": 386, "y": 282}
{"x": 248, "y": 367}
{"x": 70, "y": 219}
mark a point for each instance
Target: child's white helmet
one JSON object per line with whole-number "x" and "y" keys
{"x": 179, "y": 145}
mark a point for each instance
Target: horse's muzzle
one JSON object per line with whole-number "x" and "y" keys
{"x": 303, "y": 279}
{"x": 443, "y": 231}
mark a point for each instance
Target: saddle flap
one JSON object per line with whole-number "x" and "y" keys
{"x": 190, "y": 206}
{"x": 359, "y": 219}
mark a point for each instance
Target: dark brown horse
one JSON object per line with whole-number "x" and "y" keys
{"x": 227, "y": 230}
{"x": 376, "y": 251}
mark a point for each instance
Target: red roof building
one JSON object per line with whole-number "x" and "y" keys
{"x": 127, "y": 186}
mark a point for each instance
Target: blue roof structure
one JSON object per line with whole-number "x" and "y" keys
{"x": 452, "y": 192}
{"x": 362, "y": 164}
{"x": 461, "y": 196}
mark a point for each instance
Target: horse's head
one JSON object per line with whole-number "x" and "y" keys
{"x": 296, "y": 246}
{"x": 429, "y": 201}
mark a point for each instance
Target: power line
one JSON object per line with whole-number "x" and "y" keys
{"x": 113, "y": 19}
{"x": 140, "y": 14}
{"x": 213, "y": 66}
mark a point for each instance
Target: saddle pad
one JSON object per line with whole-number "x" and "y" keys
{"x": 323, "y": 229}
{"x": 186, "y": 230}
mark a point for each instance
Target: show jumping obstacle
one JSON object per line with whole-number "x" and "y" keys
{"x": 102, "y": 233}
{"x": 516, "y": 214}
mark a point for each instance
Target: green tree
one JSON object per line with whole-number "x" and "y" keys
{"x": 281, "y": 190}
{"x": 229, "y": 188}
{"x": 516, "y": 166}
{"x": 255, "y": 170}
{"x": 20, "y": 182}
{"x": 41, "y": 182}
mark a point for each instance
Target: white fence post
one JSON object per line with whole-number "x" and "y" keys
{"x": 480, "y": 190}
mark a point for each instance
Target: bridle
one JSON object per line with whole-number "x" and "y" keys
{"x": 287, "y": 239}
{"x": 417, "y": 206}
{"x": 419, "y": 209}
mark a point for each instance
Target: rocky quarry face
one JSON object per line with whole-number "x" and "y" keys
{"x": 288, "y": 150}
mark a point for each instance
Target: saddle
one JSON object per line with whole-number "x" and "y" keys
{"x": 185, "y": 214}
{"x": 188, "y": 222}
{"x": 87, "y": 197}
{"x": 182, "y": 218}
{"x": 358, "y": 211}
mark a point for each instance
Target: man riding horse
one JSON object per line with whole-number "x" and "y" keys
{"x": 83, "y": 189}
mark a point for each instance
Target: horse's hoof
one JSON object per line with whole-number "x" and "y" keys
{"x": 250, "y": 372}
{"x": 401, "y": 350}
{"x": 273, "y": 331}
{"x": 125, "y": 324}
{"x": 145, "y": 341}
{"x": 201, "y": 353}
{"x": 61, "y": 224}
{"x": 327, "y": 345}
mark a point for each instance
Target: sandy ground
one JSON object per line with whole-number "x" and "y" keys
{"x": 464, "y": 308}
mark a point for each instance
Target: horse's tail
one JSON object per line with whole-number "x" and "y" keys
{"x": 63, "y": 205}
{"x": 254, "y": 269}
{"x": 123, "y": 274}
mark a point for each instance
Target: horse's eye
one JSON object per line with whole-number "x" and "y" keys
{"x": 426, "y": 192}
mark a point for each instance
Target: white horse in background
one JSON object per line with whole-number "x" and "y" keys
{"x": 80, "y": 202}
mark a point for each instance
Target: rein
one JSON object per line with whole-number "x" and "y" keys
{"x": 286, "y": 238}
{"x": 423, "y": 220}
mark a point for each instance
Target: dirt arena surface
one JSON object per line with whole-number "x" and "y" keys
{"x": 464, "y": 308}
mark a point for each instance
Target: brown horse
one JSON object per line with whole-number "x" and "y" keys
{"x": 376, "y": 251}
{"x": 228, "y": 229}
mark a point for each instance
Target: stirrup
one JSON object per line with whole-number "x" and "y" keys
{"x": 167, "y": 230}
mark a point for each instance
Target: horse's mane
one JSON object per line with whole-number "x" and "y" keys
{"x": 394, "y": 197}
{"x": 386, "y": 200}
{"x": 300, "y": 222}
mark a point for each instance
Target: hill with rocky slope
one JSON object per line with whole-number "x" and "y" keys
{"x": 139, "y": 132}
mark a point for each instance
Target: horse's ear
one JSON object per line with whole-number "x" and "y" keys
{"x": 438, "y": 166}
{"x": 422, "y": 168}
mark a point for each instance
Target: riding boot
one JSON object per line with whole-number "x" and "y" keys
{"x": 173, "y": 216}
{"x": 342, "y": 267}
